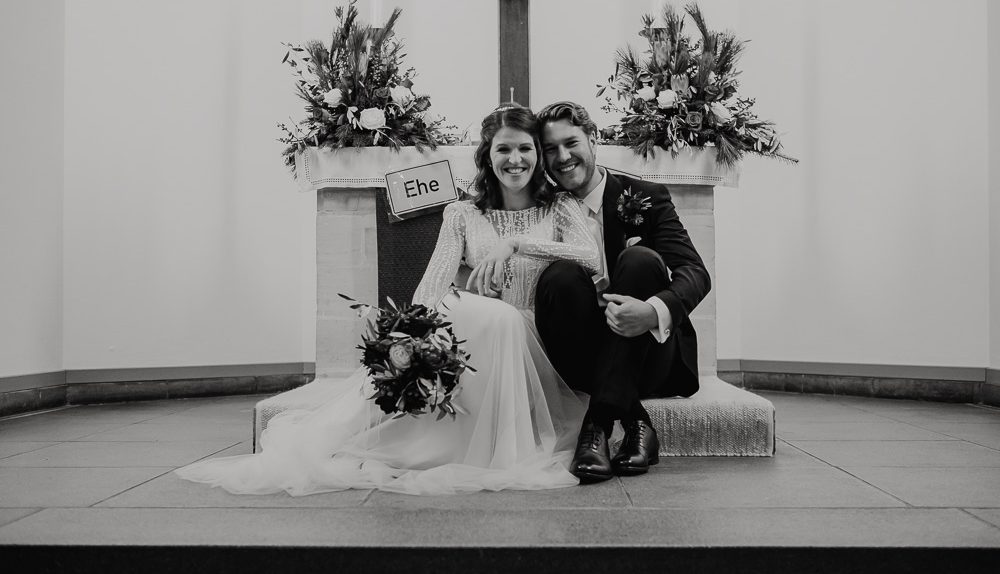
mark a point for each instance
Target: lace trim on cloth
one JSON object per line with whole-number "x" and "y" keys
{"x": 366, "y": 167}
{"x": 549, "y": 233}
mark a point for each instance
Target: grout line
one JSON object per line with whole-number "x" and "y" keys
{"x": 984, "y": 521}
{"x": 628, "y": 496}
{"x": 368, "y": 496}
{"x": 908, "y": 505}
{"x": 37, "y": 510}
{"x": 168, "y": 471}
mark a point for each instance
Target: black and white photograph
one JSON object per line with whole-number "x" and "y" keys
{"x": 499, "y": 286}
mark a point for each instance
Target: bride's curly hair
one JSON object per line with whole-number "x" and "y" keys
{"x": 516, "y": 117}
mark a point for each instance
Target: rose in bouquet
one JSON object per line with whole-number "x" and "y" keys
{"x": 683, "y": 93}
{"x": 414, "y": 359}
{"x": 357, "y": 93}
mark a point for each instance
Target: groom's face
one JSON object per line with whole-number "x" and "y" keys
{"x": 569, "y": 156}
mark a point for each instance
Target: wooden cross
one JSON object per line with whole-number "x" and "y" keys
{"x": 513, "y": 61}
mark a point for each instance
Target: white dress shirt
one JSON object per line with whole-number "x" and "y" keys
{"x": 594, "y": 209}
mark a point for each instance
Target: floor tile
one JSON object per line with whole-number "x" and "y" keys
{"x": 32, "y": 429}
{"x": 785, "y": 456}
{"x": 123, "y": 454}
{"x": 178, "y": 431}
{"x": 824, "y": 412}
{"x": 698, "y": 485}
{"x": 609, "y": 494}
{"x": 52, "y": 487}
{"x": 983, "y": 434}
{"x": 941, "y": 487}
{"x": 14, "y": 448}
{"x": 171, "y": 491}
{"x": 8, "y": 515}
{"x": 991, "y": 515}
{"x": 456, "y": 528}
{"x": 115, "y": 412}
{"x": 919, "y": 413}
{"x": 946, "y": 453}
{"x": 885, "y": 431}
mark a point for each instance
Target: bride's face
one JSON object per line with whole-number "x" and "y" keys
{"x": 514, "y": 157}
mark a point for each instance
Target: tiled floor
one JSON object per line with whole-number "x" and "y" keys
{"x": 848, "y": 472}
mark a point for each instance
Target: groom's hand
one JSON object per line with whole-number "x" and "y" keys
{"x": 628, "y": 316}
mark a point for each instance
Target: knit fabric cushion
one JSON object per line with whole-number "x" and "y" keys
{"x": 718, "y": 420}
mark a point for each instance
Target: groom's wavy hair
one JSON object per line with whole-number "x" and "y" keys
{"x": 518, "y": 117}
{"x": 572, "y": 112}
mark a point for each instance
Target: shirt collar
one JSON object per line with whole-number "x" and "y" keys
{"x": 595, "y": 198}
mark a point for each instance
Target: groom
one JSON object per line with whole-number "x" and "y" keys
{"x": 624, "y": 334}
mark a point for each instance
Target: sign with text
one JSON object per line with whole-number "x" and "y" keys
{"x": 418, "y": 190}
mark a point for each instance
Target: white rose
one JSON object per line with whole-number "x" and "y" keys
{"x": 372, "y": 118}
{"x": 721, "y": 112}
{"x": 401, "y": 355}
{"x": 647, "y": 93}
{"x": 666, "y": 99}
{"x": 333, "y": 97}
{"x": 401, "y": 95}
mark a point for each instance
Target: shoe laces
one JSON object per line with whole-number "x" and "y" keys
{"x": 593, "y": 437}
{"x": 634, "y": 434}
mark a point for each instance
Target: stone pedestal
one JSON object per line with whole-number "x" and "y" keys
{"x": 346, "y": 262}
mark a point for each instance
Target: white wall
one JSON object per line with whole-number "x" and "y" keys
{"x": 993, "y": 24}
{"x": 186, "y": 242}
{"x": 31, "y": 180}
{"x": 874, "y": 249}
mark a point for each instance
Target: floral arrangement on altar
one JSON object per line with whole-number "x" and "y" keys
{"x": 683, "y": 93}
{"x": 414, "y": 358}
{"x": 357, "y": 93}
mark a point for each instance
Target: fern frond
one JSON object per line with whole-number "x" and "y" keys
{"x": 728, "y": 53}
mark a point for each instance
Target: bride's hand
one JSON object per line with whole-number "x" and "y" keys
{"x": 487, "y": 276}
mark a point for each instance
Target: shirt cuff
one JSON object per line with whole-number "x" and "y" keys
{"x": 662, "y": 331}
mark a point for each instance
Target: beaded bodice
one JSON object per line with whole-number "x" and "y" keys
{"x": 558, "y": 231}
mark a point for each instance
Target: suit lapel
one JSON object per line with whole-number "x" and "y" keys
{"x": 614, "y": 234}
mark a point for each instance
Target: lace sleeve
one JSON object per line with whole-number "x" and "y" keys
{"x": 573, "y": 240}
{"x": 447, "y": 257}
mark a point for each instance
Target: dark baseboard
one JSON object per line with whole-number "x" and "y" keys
{"x": 943, "y": 384}
{"x": 28, "y": 393}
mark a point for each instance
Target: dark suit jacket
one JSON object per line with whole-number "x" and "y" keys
{"x": 662, "y": 231}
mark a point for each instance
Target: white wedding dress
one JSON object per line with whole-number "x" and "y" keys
{"x": 522, "y": 421}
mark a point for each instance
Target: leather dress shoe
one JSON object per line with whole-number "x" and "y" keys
{"x": 592, "y": 461}
{"x": 639, "y": 449}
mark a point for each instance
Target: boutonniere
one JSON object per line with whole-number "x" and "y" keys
{"x": 631, "y": 205}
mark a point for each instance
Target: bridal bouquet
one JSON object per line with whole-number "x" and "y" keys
{"x": 683, "y": 93}
{"x": 414, "y": 358}
{"x": 357, "y": 93}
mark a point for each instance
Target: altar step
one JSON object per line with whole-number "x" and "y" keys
{"x": 718, "y": 420}
{"x": 114, "y": 558}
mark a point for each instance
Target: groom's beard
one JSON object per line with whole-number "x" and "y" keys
{"x": 578, "y": 179}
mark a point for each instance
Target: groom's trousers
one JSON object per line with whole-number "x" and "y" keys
{"x": 616, "y": 371}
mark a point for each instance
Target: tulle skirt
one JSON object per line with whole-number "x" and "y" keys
{"x": 519, "y": 433}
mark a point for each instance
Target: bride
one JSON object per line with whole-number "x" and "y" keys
{"x": 522, "y": 420}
